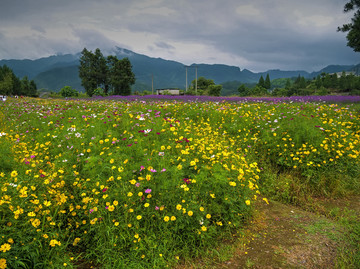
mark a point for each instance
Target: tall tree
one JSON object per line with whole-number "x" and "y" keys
{"x": 101, "y": 70}
{"x": 267, "y": 83}
{"x": 87, "y": 72}
{"x": 352, "y": 28}
{"x": 111, "y": 73}
{"x": 261, "y": 82}
{"x": 120, "y": 75}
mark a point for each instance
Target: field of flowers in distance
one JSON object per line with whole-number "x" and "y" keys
{"x": 148, "y": 183}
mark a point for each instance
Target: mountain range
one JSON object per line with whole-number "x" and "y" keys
{"x": 54, "y": 72}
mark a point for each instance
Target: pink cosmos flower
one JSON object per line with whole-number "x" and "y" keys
{"x": 148, "y": 191}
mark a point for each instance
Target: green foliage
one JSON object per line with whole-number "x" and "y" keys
{"x": 67, "y": 91}
{"x": 99, "y": 92}
{"x": 215, "y": 90}
{"x": 267, "y": 83}
{"x": 280, "y": 92}
{"x": 261, "y": 82}
{"x": 258, "y": 91}
{"x": 112, "y": 75}
{"x": 134, "y": 184}
{"x": 121, "y": 76}
{"x": 12, "y": 85}
{"x": 204, "y": 86}
{"x": 243, "y": 90}
{"x": 117, "y": 186}
{"x": 353, "y": 28}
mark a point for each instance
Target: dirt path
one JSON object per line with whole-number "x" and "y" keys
{"x": 284, "y": 236}
{"x": 287, "y": 237}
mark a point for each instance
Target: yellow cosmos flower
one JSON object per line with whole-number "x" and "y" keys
{"x": 35, "y": 223}
{"x": 14, "y": 174}
{"x": 247, "y": 202}
{"x": 5, "y": 247}
{"x": 190, "y": 213}
{"x": 2, "y": 263}
{"x": 166, "y": 218}
{"x": 54, "y": 242}
{"x": 76, "y": 241}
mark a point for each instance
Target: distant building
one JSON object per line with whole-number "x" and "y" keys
{"x": 169, "y": 91}
{"x": 348, "y": 73}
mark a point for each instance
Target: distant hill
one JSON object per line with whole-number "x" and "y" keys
{"x": 57, "y": 71}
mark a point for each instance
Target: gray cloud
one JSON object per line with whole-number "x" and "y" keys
{"x": 164, "y": 45}
{"x": 253, "y": 34}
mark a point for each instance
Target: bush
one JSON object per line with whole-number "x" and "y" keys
{"x": 67, "y": 91}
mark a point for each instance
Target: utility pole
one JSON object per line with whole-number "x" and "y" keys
{"x": 195, "y": 79}
{"x": 186, "y": 78}
{"x": 186, "y": 83}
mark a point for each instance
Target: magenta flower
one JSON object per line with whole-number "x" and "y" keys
{"x": 152, "y": 170}
{"x": 104, "y": 190}
{"x": 148, "y": 191}
{"x": 142, "y": 168}
{"x": 163, "y": 170}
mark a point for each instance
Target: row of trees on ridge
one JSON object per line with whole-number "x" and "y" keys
{"x": 321, "y": 85}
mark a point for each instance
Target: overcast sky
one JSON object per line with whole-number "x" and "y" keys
{"x": 254, "y": 34}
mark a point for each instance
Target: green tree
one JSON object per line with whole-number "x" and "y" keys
{"x": 109, "y": 74}
{"x": 267, "y": 83}
{"x": 202, "y": 85}
{"x": 28, "y": 88}
{"x": 215, "y": 90}
{"x": 101, "y": 70}
{"x": 9, "y": 83}
{"x": 67, "y": 91}
{"x": 288, "y": 84}
{"x": 352, "y": 28}
{"x": 243, "y": 90}
{"x": 120, "y": 75}
{"x": 87, "y": 72}
{"x": 300, "y": 83}
{"x": 261, "y": 82}
{"x": 258, "y": 91}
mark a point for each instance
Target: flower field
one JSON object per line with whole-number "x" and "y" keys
{"x": 144, "y": 183}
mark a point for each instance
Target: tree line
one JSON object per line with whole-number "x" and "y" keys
{"x": 100, "y": 75}
{"x": 321, "y": 85}
{"x": 10, "y": 84}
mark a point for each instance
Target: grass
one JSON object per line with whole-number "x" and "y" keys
{"x": 151, "y": 184}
